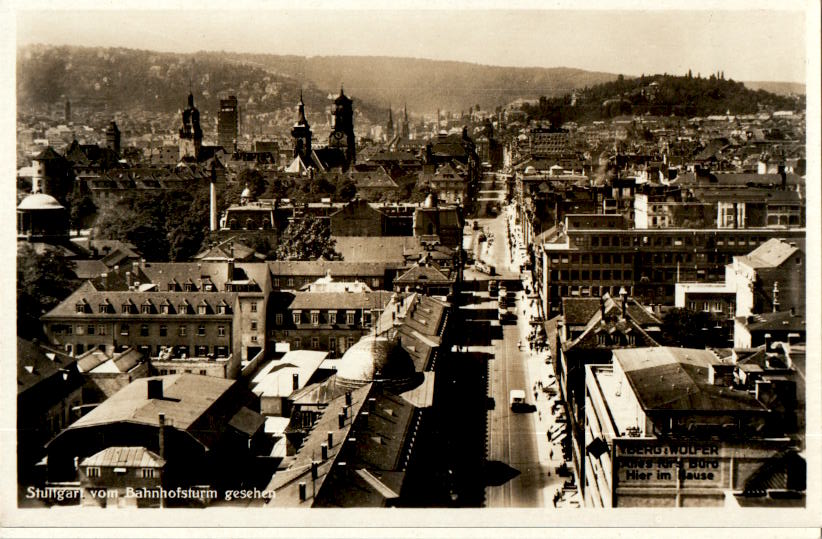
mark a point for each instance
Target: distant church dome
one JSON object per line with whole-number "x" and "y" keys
{"x": 39, "y": 201}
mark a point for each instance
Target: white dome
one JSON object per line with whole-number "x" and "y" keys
{"x": 39, "y": 201}
{"x": 530, "y": 170}
{"x": 371, "y": 355}
{"x": 246, "y": 193}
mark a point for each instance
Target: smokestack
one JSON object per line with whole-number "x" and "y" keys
{"x": 302, "y": 491}
{"x": 212, "y": 192}
{"x": 324, "y": 451}
{"x": 330, "y": 439}
{"x": 230, "y": 268}
{"x": 162, "y": 435}
{"x": 295, "y": 381}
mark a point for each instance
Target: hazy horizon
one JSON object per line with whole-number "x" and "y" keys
{"x": 755, "y": 45}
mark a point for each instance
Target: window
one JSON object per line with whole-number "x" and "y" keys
{"x": 705, "y": 306}
{"x": 182, "y": 308}
{"x": 80, "y": 307}
{"x": 201, "y": 330}
{"x": 315, "y": 318}
{"x": 221, "y": 309}
{"x": 124, "y": 329}
{"x": 277, "y": 282}
{"x": 92, "y": 471}
{"x": 349, "y": 318}
{"x": 278, "y": 319}
{"x": 297, "y": 344}
{"x": 594, "y": 241}
{"x": 181, "y": 331}
{"x": 296, "y": 317}
{"x": 202, "y": 308}
{"x": 350, "y": 342}
{"x": 189, "y": 287}
{"x": 717, "y": 306}
{"x": 332, "y": 317}
{"x": 163, "y": 330}
{"x": 126, "y": 308}
{"x": 367, "y": 318}
{"x": 291, "y": 282}
{"x": 145, "y": 308}
{"x": 221, "y": 331}
{"x": 203, "y": 372}
{"x": 147, "y": 473}
{"x": 315, "y": 343}
{"x": 254, "y": 307}
{"x": 101, "y": 329}
{"x": 171, "y": 286}
{"x": 375, "y": 282}
{"x": 253, "y": 338}
{"x": 144, "y": 330}
{"x": 103, "y": 308}
{"x": 253, "y": 325}
{"x": 164, "y": 308}
{"x": 90, "y": 329}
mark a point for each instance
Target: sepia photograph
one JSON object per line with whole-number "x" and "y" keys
{"x": 429, "y": 257}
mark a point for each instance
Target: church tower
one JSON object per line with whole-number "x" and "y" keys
{"x": 389, "y": 128}
{"x": 404, "y": 129}
{"x": 191, "y": 135}
{"x": 301, "y": 133}
{"x": 343, "y": 134}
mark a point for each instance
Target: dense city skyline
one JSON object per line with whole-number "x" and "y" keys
{"x": 702, "y": 40}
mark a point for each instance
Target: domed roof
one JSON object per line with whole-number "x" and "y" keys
{"x": 375, "y": 357}
{"x": 530, "y": 170}
{"x": 246, "y": 193}
{"x": 40, "y": 201}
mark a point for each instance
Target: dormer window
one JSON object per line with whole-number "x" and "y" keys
{"x": 165, "y": 308}
{"x": 202, "y": 308}
{"x": 222, "y": 308}
{"x": 145, "y": 308}
{"x": 349, "y": 318}
{"x": 315, "y": 318}
{"x": 182, "y": 308}
{"x": 127, "y": 307}
{"x": 189, "y": 287}
{"x": 80, "y": 307}
{"x": 296, "y": 317}
{"x": 172, "y": 286}
{"x": 332, "y": 317}
{"x": 105, "y": 307}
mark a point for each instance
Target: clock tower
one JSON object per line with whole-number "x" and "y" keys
{"x": 343, "y": 134}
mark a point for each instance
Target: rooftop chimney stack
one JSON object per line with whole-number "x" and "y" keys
{"x": 295, "y": 381}
{"x": 341, "y": 420}
{"x": 324, "y": 451}
{"x": 330, "y": 439}
{"x": 302, "y": 491}
{"x": 129, "y": 280}
{"x": 348, "y": 398}
{"x": 776, "y": 296}
{"x": 155, "y": 389}
{"x": 162, "y": 435}
{"x": 767, "y": 342}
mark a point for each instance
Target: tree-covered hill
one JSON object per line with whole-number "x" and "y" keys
{"x": 662, "y": 95}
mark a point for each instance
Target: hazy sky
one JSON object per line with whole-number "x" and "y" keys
{"x": 751, "y": 44}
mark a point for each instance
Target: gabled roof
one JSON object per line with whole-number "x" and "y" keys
{"x": 427, "y": 273}
{"x": 778, "y": 321}
{"x": 125, "y": 457}
{"x": 186, "y": 397}
{"x": 340, "y": 300}
{"x": 338, "y": 268}
{"x": 86, "y": 293}
{"x": 35, "y": 364}
{"x": 374, "y": 248}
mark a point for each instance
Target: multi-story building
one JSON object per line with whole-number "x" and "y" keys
{"x": 678, "y": 427}
{"x": 206, "y": 318}
{"x": 228, "y": 124}
{"x": 547, "y": 142}
{"x": 592, "y": 254}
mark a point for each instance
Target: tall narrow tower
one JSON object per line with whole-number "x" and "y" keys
{"x": 228, "y": 124}
{"x": 343, "y": 134}
{"x": 191, "y": 135}
{"x": 301, "y": 133}
{"x": 389, "y": 127}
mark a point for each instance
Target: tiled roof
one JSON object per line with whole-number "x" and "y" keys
{"x": 337, "y": 268}
{"x": 374, "y": 248}
{"x": 196, "y": 273}
{"x": 778, "y": 321}
{"x": 126, "y": 457}
{"x": 34, "y": 365}
{"x": 186, "y": 398}
{"x": 770, "y": 254}
{"x": 427, "y": 273}
{"x": 87, "y": 294}
{"x": 665, "y": 378}
{"x": 340, "y": 300}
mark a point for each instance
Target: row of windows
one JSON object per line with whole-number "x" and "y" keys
{"x": 710, "y": 306}
{"x": 201, "y": 372}
{"x": 632, "y": 240}
{"x": 605, "y": 258}
{"x": 125, "y": 329}
{"x": 149, "y": 308}
{"x": 333, "y": 342}
{"x": 144, "y": 473}
{"x": 591, "y": 275}
{"x": 325, "y": 317}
